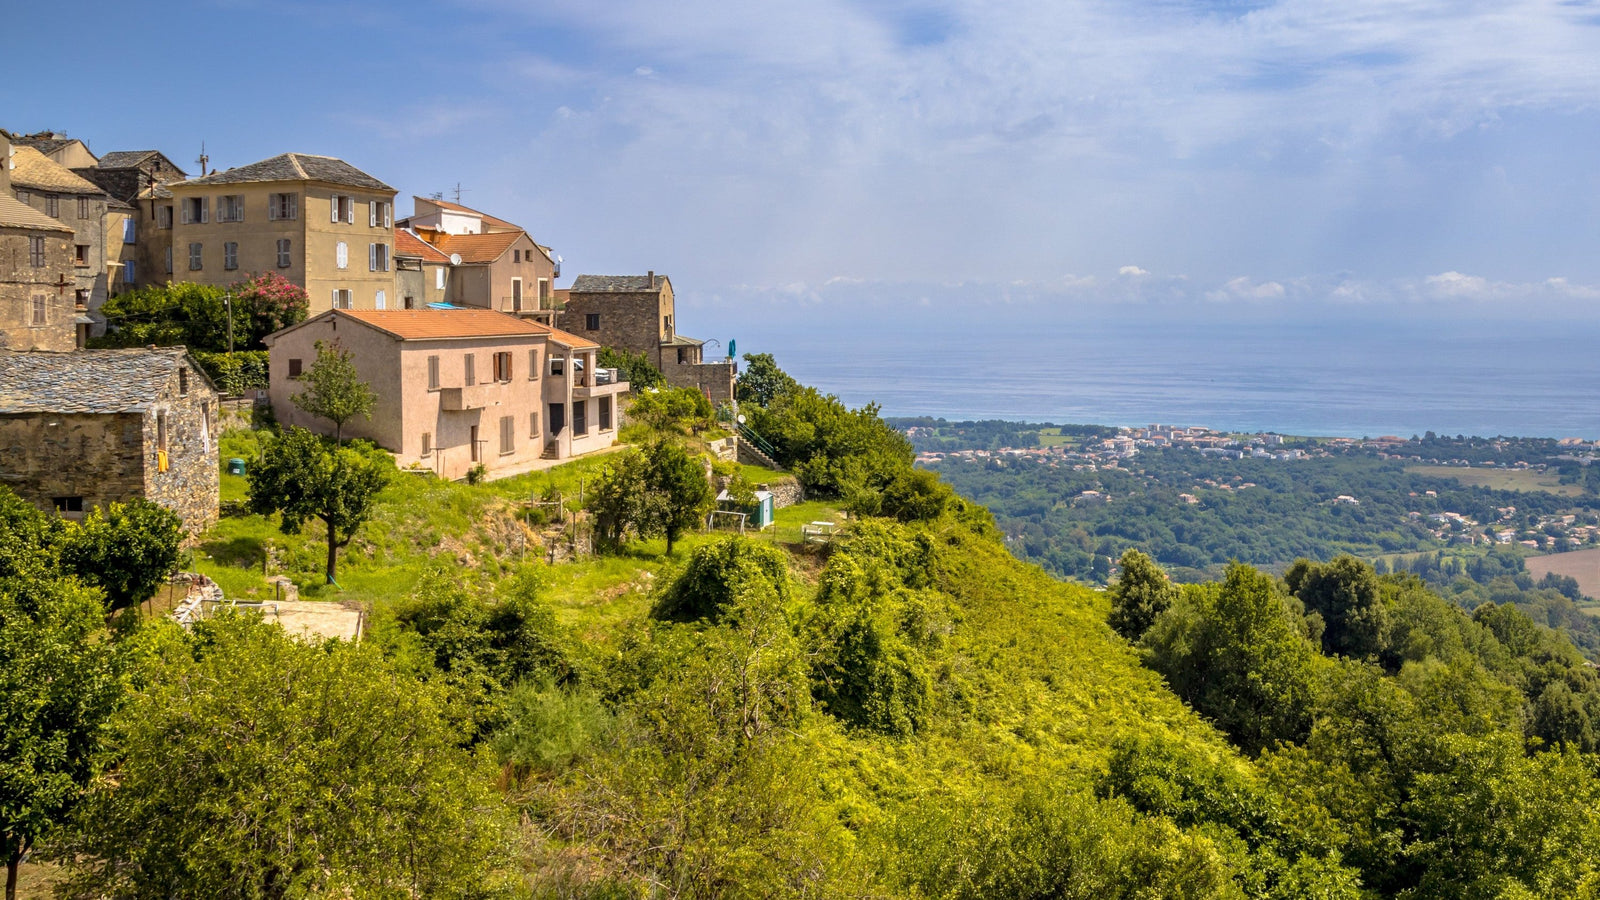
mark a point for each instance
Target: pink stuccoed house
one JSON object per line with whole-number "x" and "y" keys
{"x": 457, "y": 388}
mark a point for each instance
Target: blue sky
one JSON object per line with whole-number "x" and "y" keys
{"x": 944, "y": 155}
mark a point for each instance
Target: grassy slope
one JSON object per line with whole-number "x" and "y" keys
{"x": 1526, "y": 480}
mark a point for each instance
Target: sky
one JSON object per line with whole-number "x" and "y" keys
{"x": 1016, "y": 162}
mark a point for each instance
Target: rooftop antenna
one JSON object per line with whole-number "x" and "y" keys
{"x": 436, "y": 195}
{"x": 203, "y": 159}
{"x": 458, "y": 193}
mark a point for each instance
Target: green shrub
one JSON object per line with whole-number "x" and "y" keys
{"x": 235, "y": 373}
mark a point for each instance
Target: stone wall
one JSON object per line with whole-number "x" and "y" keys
{"x": 715, "y": 379}
{"x": 94, "y": 456}
{"x": 786, "y": 491}
{"x": 20, "y": 282}
{"x": 628, "y": 321}
{"x": 191, "y": 486}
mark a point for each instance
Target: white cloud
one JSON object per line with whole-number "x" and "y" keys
{"x": 1132, "y": 271}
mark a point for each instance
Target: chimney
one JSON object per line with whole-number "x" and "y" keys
{"x": 652, "y": 277}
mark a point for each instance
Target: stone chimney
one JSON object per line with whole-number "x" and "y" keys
{"x": 652, "y": 277}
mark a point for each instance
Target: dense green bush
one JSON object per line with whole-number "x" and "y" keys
{"x": 237, "y": 372}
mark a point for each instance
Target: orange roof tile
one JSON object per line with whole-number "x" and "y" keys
{"x": 436, "y": 324}
{"x": 570, "y": 340}
{"x": 408, "y": 244}
{"x": 456, "y": 207}
{"x": 479, "y": 248}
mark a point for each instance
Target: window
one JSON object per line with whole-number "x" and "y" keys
{"x": 283, "y": 206}
{"x": 83, "y": 207}
{"x": 230, "y": 208}
{"x": 604, "y": 404}
{"x": 508, "y": 437}
{"x": 666, "y": 325}
{"x": 580, "y": 421}
{"x": 163, "y": 217}
{"x": 161, "y": 431}
{"x": 196, "y": 210}
{"x": 341, "y": 255}
{"x": 52, "y": 205}
{"x": 427, "y": 443}
{"x": 80, "y": 297}
{"x": 516, "y": 294}
{"x": 36, "y": 252}
{"x": 342, "y": 208}
{"x": 341, "y": 298}
{"x": 294, "y": 368}
{"x": 196, "y": 256}
{"x": 472, "y": 369}
{"x": 411, "y": 302}
{"x": 283, "y": 251}
{"x": 129, "y": 271}
{"x": 67, "y": 504}
{"x": 433, "y": 373}
{"x": 438, "y": 278}
{"x": 168, "y": 255}
{"x": 378, "y": 213}
{"x": 39, "y": 307}
{"x": 183, "y": 381}
{"x": 24, "y": 196}
{"x": 591, "y": 321}
{"x": 533, "y": 426}
{"x": 544, "y": 288}
{"x": 502, "y": 366}
{"x": 681, "y": 356}
{"x": 230, "y": 255}
{"x": 380, "y": 301}
{"x": 558, "y": 365}
{"x": 533, "y": 364}
{"x": 130, "y": 231}
{"x": 516, "y": 256}
{"x": 377, "y": 257}
{"x": 80, "y": 254}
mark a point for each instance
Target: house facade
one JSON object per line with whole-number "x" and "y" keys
{"x": 136, "y": 181}
{"x": 495, "y": 264}
{"x": 457, "y": 388}
{"x": 315, "y": 220}
{"x": 421, "y": 271}
{"x": 81, "y": 430}
{"x": 71, "y": 200}
{"x": 637, "y": 313}
{"x": 37, "y": 286}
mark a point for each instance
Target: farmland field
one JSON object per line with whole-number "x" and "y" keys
{"x": 1526, "y": 480}
{"x": 1583, "y": 565}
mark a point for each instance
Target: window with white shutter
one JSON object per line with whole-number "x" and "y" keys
{"x": 333, "y": 208}
{"x": 283, "y": 253}
{"x": 381, "y": 301}
{"x": 196, "y": 256}
{"x": 373, "y": 215}
{"x": 372, "y": 257}
{"x": 438, "y": 278}
{"x": 205, "y": 210}
{"x": 169, "y": 260}
{"x": 341, "y": 255}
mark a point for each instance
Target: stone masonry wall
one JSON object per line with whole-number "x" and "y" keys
{"x": 715, "y": 379}
{"x": 20, "y": 282}
{"x": 628, "y": 321}
{"x": 191, "y": 486}
{"x": 96, "y": 456}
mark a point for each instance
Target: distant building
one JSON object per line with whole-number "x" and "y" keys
{"x": 79, "y": 204}
{"x": 315, "y": 220}
{"x": 136, "y": 181}
{"x": 37, "y": 309}
{"x": 495, "y": 264}
{"x": 636, "y": 313}
{"x": 421, "y": 271}
{"x": 80, "y": 430}
{"x": 457, "y": 388}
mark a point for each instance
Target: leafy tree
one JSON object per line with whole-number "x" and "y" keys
{"x": 251, "y": 764}
{"x": 833, "y": 450}
{"x": 719, "y": 576}
{"x": 660, "y": 489}
{"x": 196, "y": 315}
{"x": 304, "y": 476}
{"x": 1345, "y": 593}
{"x": 265, "y": 303}
{"x": 762, "y": 381}
{"x": 1139, "y": 595}
{"x": 635, "y": 369}
{"x": 334, "y": 390}
{"x": 669, "y": 410}
{"x": 127, "y": 550}
{"x": 58, "y": 684}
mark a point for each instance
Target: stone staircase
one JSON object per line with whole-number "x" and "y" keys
{"x": 750, "y": 454}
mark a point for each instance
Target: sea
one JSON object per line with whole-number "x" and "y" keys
{"x": 1328, "y": 373}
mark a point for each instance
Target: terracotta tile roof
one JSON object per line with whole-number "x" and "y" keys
{"x": 456, "y": 207}
{"x": 295, "y": 167}
{"x": 34, "y": 171}
{"x": 87, "y": 381}
{"x": 479, "y": 248}
{"x": 16, "y": 214}
{"x": 436, "y": 324}
{"x": 616, "y": 284}
{"x": 570, "y": 340}
{"x": 406, "y": 243}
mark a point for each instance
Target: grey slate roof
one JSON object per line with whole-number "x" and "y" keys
{"x": 133, "y": 159}
{"x": 615, "y": 284}
{"x": 295, "y": 167}
{"x": 87, "y": 381}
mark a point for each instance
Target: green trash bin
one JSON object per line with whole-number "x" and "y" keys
{"x": 235, "y": 466}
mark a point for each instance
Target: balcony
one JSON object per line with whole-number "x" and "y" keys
{"x": 604, "y": 383}
{"x": 461, "y": 399}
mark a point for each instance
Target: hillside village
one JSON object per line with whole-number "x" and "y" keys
{"x": 479, "y": 362}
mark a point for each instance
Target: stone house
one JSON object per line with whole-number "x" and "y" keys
{"x": 80, "y": 430}
{"x": 316, "y": 220}
{"x": 496, "y": 265}
{"x": 58, "y": 148}
{"x": 79, "y": 204}
{"x": 37, "y": 309}
{"x": 457, "y": 388}
{"x": 136, "y": 181}
{"x": 421, "y": 271}
{"x": 636, "y": 313}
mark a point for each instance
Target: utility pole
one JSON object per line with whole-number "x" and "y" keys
{"x": 227, "y": 299}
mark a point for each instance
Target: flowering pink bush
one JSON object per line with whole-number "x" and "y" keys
{"x": 266, "y": 303}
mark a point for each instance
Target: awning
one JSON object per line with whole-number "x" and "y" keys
{"x": 444, "y": 306}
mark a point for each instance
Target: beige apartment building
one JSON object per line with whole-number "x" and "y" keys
{"x": 457, "y": 388}
{"x": 495, "y": 264}
{"x": 315, "y": 220}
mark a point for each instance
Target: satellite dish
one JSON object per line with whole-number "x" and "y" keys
{"x": 455, "y": 259}
{"x": 741, "y": 418}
